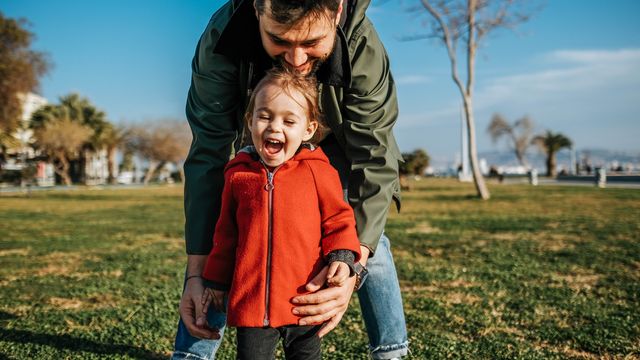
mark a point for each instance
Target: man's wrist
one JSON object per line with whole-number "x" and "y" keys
{"x": 195, "y": 264}
{"x": 364, "y": 254}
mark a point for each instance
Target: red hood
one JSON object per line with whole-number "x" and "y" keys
{"x": 249, "y": 157}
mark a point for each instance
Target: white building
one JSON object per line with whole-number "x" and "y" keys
{"x": 30, "y": 103}
{"x": 24, "y": 136}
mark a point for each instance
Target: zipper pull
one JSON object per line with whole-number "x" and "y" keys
{"x": 269, "y": 186}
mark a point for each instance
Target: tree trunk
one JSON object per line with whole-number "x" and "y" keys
{"x": 478, "y": 179}
{"x": 62, "y": 168}
{"x": 111, "y": 163}
{"x": 551, "y": 164}
{"x": 522, "y": 159}
{"x": 467, "y": 98}
{"x": 84, "y": 155}
{"x": 153, "y": 165}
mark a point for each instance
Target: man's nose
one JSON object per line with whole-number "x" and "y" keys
{"x": 296, "y": 56}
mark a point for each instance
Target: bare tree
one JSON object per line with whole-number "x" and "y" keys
{"x": 161, "y": 142}
{"x": 519, "y": 135}
{"x": 452, "y": 21}
{"x": 62, "y": 140}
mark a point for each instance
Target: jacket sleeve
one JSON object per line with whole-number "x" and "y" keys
{"x": 211, "y": 107}
{"x": 370, "y": 111}
{"x": 338, "y": 223}
{"x": 221, "y": 261}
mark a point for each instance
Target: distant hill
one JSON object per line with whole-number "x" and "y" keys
{"x": 595, "y": 157}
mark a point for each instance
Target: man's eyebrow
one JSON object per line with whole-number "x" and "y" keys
{"x": 306, "y": 41}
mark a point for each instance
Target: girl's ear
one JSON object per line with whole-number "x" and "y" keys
{"x": 248, "y": 120}
{"x": 312, "y": 126}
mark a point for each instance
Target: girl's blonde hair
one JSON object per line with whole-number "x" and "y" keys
{"x": 290, "y": 80}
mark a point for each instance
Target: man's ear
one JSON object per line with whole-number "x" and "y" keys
{"x": 255, "y": 7}
{"x": 339, "y": 12}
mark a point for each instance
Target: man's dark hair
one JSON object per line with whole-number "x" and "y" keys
{"x": 289, "y": 12}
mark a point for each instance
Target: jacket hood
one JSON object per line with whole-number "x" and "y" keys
{"x": 248, "y": 156}
{"x": 358, "y": 13}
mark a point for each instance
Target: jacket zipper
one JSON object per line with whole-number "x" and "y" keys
{"x": 269, "y": 187}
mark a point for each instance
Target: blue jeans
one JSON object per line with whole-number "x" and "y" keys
{"x": 380, "y": 302}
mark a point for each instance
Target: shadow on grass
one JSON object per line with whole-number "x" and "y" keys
{"x": 6, "y": 316}
{"x": 452, "y": 197}
{"x": 66, "y": 342}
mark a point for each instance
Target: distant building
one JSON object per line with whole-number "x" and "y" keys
{"x": 17, "y": 155}
{"x": 30, "y": 103}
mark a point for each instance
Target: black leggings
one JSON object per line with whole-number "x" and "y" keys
{"x": 299, "y": 342}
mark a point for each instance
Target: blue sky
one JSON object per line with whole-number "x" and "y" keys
{"x": 574, "y": 67}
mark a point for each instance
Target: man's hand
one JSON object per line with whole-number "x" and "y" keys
{"x": 194, "y": 319}
{"x": 326, "y": 305}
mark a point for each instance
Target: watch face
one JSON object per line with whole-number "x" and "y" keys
{"x": 361, "y": 275}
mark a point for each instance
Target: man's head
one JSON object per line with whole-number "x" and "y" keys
{"x": 298, "y": 33}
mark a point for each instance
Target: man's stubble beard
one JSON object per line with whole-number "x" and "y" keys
{"x": 280, "y": 62}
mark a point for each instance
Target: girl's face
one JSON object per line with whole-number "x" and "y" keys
{"x": 279, "y": 124}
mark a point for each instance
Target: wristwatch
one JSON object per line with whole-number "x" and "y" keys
{"x": 361, "y": 275}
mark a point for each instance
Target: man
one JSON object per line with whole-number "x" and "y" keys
{"x": 335, "y": 42}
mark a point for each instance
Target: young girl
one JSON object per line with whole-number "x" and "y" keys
{"x": 283, "y": 218}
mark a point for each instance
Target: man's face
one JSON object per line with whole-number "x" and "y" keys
{"x": 302, "y": 46}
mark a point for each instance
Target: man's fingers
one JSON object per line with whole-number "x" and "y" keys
{"x": 318, "y": 319}
{"x": 318, "y": 281}
{"x": 190, "y": 322}
{"x": 318, "y": 309}
{"x": 318, "y": 297}
{"x": 330, "y": 325}
{"x": 204, "y": 332}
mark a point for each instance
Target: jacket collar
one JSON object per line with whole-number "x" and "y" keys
{"x": 240, "y": 39}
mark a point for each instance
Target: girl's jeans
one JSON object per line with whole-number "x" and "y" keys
{"x": 381, "y": 305}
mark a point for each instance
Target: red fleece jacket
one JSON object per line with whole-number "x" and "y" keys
{"x": 309, "y": 219}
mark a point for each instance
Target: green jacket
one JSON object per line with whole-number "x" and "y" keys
{"x": 357, "y": 99}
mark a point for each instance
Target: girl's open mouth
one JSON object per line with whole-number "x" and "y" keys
{"x": 273, "y": 147}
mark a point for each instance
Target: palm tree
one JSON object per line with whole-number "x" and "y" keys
{"x": 113, "y": 137}
{"x": 519, "y": 135}
{"x": 81, "y": 111}
{"x": 550, "y": 144}
{"x": 85, "y": 113}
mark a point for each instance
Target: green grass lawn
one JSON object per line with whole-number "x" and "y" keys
{"x": 536, "y": 272}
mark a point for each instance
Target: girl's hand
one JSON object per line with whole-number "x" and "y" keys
{"x": 338, "y": 273}
{"x": 213, "y": 296}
